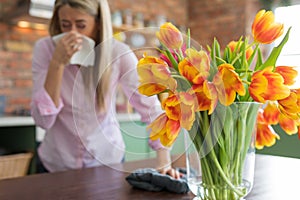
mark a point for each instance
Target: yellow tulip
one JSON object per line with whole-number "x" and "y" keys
{"x": 170, "y": 36}
{"x": 187, "y": 70}
{"x": 206, "y": 96}
{"x": 228, "y": 83}
{"x": 200, "y": 61}
{"x": 164, "y": 129}
{"x": 187, "y": 107}
{"x": 181, "y": 107}
{"x": 154, "y": 76}
{"x": 179, "y": 113}
{"x": 264, "y": 28}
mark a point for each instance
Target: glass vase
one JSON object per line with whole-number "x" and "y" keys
{"x": 220, "y": 152}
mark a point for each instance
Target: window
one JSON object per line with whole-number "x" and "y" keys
{"x": 290, "y": 54}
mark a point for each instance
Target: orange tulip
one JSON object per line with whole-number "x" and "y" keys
{"x": 172, "y": 106}
{"x": 200, "y": 61}
{"x": 206, "y": 95}
{"x": 290, "y": 106}
{"x": 267, "y": 85}
{"x": 285, "y": 112}
{"x": 154, "y": 76}
{"x": 297, "y": 92}
{"x": 180, "y": 107}
{"x": 158, "y": 126}
{"x": 179, "y": 113}
{"x": 264, "y": 29}
{"x": 289, "y": 125}
{"x": 228, "y": 83}
{"x": 187, "y": 70}
{"x": 265, "y": 134}
{"x": 151, "y": 59}
{"x": 170, "y": 36}
{"x": 195, "y": 67}
{"x": 289, "y": 74}
{"x": 233, "y": 47}
{"x": 271, "y": 113}
{"x": 164, "y": 129}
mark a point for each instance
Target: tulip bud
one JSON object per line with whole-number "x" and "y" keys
{"x": 170, "y": 36}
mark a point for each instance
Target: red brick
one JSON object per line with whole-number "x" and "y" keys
{"x": 23, "y": 83}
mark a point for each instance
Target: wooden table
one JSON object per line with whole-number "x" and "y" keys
{"x": 276, "y": 178}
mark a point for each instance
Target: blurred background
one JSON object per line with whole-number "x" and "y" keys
{"x": 22, "y": 22}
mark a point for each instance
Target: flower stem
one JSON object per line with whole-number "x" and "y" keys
{"x": 222, "y": 141}
{"x": 238, "y": 192}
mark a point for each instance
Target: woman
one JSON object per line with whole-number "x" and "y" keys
{"x": 76, "y": 104}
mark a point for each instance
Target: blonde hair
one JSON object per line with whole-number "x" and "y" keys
{"x": 97, "y": 78}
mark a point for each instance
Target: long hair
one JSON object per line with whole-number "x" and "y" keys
{"x": 97, "y": 78}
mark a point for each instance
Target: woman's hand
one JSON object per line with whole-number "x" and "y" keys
{"x": 64, "y": 50}
{"x": 66, "y": 47}
{"x": 171, "y": 171}
{"x": 164, "y": 163}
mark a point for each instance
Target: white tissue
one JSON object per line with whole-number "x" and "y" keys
{"x": 85, "y": 56}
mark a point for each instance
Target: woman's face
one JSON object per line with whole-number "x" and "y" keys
{"x": 71, "y": 19}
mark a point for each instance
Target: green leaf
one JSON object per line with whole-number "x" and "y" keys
{"x": 212, "y": 54}
{"x": 188, "y": 44}
{"x": 271, "y": 61}
{"x": 250, "y": 60}
{"x": 247, "y": 96}
{"x": 244, "y": 64}
{"x": 217, "y": 51}
{"x": 171, "y": 57}
{"x": 259, "y": 59}
{"x": 227, "y": 55}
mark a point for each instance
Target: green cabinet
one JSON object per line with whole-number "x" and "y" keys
{"x": 136, "y": 140}
{"x": 19, "y": 139}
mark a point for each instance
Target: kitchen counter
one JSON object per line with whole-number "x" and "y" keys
{"x": 11, "y": 120}
{"x": 6, "y": 121}
{"x": 275, "y": 178}
{"x": 19, "y": 121}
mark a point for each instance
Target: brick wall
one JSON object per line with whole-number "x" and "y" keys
{"x": 174, "y": 10}
{"x": 15, "y": 65}
{"x": 225, "y": 19}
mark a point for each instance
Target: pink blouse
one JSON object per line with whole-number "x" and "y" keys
{"x": 76, "y": 135}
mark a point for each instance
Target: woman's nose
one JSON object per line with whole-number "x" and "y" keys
{"x": 73, "y": 28}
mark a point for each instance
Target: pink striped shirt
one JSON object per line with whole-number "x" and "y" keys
{"x": 77, "y": 136}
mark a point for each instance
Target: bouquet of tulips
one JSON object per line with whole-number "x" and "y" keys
{"x": 202, "y": 83}
{"x": 198, "y": 79}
